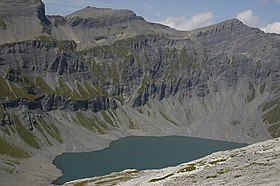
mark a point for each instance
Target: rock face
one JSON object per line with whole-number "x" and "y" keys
{"x": 104, "y": 71}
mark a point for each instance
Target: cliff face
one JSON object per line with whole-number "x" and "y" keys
{"x": 104, "y": 71}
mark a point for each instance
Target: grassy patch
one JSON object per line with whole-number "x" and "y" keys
{"x": 147, "y": 79}
{"x": 27, "y": 136}
{"x": 43, "y": 86}
{"x": 223, "y": 171}
{"x": 83, "y": 183}
{"x": 20, "y": 93}
{"x": 273, "y": 116}
{"x": 211, "y": 176}
{"x": 2, "y": 23}
{"x": 188, "y": 168}
{"x": 94, "y": 90}
{"x": 271, "y": 104}
{"x": 252, "y": 96}
{"x": 217, "y": 161}
{"x": 11, "y": 150}
{"x": 84, "y": 94}
{"x": 5, "y": 129}
{"x": 274, "y": 130}
{"x": 115, "y": 179}
{"x": 161, "y": 178}
{"x": 51, "y": 129}
{"x": 2, "y": 112}
{"x": 262, "y": 88}
{"x": 237, "y": 176}
{"x": 5, "y": 89}
{"x": 88, "y": 123}
{"x": 235, "y": 123}
{"x": 46, "y": 38}
{"x": 107, "y": 118}
{"x": 41, "y": 130}
{"x": 65, "y": 90}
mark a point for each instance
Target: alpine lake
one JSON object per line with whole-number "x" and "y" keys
{"x": 139, "y": 153}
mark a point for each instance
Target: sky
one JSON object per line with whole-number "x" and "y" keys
{"x": 185, "y": 14}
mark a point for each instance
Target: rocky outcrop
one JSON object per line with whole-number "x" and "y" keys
{"x": 55, "y": 102}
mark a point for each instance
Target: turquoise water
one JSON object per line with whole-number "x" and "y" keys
{"x": 137, "y": 153}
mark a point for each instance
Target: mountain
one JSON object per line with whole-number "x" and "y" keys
{"x": 75, "y": 83}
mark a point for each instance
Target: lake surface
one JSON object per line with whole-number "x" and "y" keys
{"x": 137, "y": 153}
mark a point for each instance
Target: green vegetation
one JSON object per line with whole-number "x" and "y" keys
{"x": 5, "y": 129}
{"x": 95, "y": 90}
{"x": 88, "y": 123}
{"x": 2, "y": 23}
{"x": 107, "y": 118}
{"x": 5, "y": 89}
{"x": 262, "y": 88}
{"x": 47, "y": 38}
{"x": 83, "y": 91}
{"x": 189, "y": 168}
{"x": 120, "y": 99}
{"x": 274, "y": 130}
{"x": 84, "y": 94}
{"x": 212, "y": 176}
{"x": 252, "y": 96}
{"x": 83, "y": 183}
{"x": 217, "y": 161}
{"x": 272, "y": 116}
{"x": 147, "y": 79}
{"x": 43, "y": 86}
{"x": 223, "y": 171}
{"x": 51, "y": 129}
{"x": 11, "y": 150}
{"x": 2, "y": 112}
{"x": 41, "y": 130}
{"x": 237, "y": 176}
{"x": 64, "y": 90}
{"x": 115, "y": 179}
{"x": 235, "y": 122}
{"x": 27, "y": 136}
{"x": 20, "y": 93}
{"x": 162, "y": 178}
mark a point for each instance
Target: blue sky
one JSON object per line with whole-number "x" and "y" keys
{"x": 185, "y": 14}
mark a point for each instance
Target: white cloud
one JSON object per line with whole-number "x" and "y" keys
{"x": 249, "y": 18}
{"x": 183, "y": 23}
{"x": 272, "y": 28}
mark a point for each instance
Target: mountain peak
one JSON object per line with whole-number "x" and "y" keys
{"x": 228, "y": 25}
{"x": 104, "y": 13}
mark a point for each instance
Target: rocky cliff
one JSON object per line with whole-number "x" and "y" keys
{"x": 103, "y": 74}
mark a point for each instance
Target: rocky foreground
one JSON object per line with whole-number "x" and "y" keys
{"x": 257, "y": 164}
